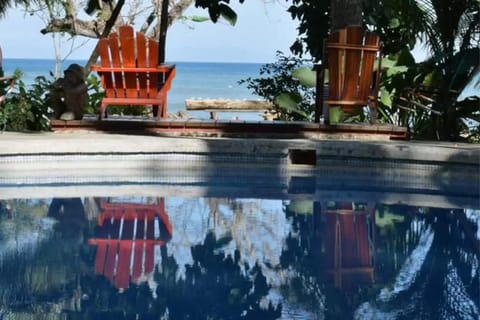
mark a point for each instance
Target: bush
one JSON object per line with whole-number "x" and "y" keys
{"x": 277, "y": 81}
{"x": 26, "y": 109}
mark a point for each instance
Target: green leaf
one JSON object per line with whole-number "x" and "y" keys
{"x": 306, "y": 76}
{"x": 289, "y": 102}
{"x": 401, "y": 60}
{"x": 336, "y": 114}
{"x": 227, "y": 13}
{"x": 394, "y": 23}
{"x": 198, "y": 18}
{"x": 385, "y": 97}
{"x": 396, "y": 69}
{"x": 387, "y": 62}
{"x": 405, "y": 58}
{"x": 433, "y": 79}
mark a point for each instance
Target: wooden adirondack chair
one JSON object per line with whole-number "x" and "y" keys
{"x": 130, "y": 73}
{"x": 7, "y": 83}
{"x": 353, "y": 81}
{"x": 125, "y": 240}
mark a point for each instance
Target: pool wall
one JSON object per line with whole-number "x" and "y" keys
{"x": 112, "y": 164}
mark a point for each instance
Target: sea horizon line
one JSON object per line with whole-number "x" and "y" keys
{"x": 173, "y": 61}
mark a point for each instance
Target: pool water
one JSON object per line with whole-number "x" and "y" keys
{"x": 182, "y": 257}
{"x": 224, "y": 238}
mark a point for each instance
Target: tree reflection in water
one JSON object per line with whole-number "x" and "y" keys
{"x": 337, "y": 260}
{"x": 426, "y": 266}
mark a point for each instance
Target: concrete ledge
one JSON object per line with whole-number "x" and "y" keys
{"x": 15, "y": 144}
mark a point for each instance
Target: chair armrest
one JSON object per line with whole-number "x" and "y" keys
{"x": 158, "y": 69}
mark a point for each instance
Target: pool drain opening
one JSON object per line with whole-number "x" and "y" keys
{"x": 302, "y": 157}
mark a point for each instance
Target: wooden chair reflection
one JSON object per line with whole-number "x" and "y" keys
{"x": 350, "y": 244}
{"x": 125, "y": 239}
{"x": 130, "y": 72}
{"x": 353, "y": 80}
{"x": 6, "y": 83}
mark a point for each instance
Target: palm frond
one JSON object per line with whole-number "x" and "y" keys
{"x": 450, "y": 24}
{"x": 469, "y": 29}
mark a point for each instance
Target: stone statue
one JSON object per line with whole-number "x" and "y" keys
{"x": 69, "y": 95}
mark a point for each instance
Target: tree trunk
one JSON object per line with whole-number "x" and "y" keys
{"x": 346, "y": 13}
{"x": 162, "y": 39}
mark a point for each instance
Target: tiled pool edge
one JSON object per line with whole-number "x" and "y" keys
{"x": 18, "y": 145}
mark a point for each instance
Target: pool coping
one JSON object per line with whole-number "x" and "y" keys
{"x": 56, "y": 143}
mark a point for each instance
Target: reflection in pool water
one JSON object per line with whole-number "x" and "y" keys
{"x": 224, "y": 258}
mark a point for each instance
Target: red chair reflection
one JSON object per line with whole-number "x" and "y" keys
{"x": 350, "y": 244}
{"x": 125, "y": 240}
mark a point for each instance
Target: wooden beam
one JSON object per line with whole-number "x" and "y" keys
{"x": 228, "y": 105}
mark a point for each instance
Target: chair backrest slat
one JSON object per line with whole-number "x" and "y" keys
{"x": 369, "y": 57}
{"x": 107, "y": 78}
{"x": 128, "y": 56}
{"x": 352, "y": 61}
{"x": 153, "y": 61}
{"x": 351, "y": 54}
{"x": 142, "y": 63}
{"x": 114, "y": 46}
{"x": 335, "y": 71}
{"x": 152, "y": 53}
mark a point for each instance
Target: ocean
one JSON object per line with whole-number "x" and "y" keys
{"x": 194, "y": 80}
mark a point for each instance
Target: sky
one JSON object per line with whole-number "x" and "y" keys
{"x": 262, "y": 28}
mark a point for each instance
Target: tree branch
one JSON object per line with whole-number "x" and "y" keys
{"x": 75, "y": 27}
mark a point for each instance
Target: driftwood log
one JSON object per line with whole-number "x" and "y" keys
{"x": 227, "y": 105}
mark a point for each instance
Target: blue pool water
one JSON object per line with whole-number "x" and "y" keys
{"x": 188, "y": 246}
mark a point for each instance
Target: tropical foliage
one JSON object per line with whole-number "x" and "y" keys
{"x": 295, "y": 97}
{"x": 425, "y": 95}
{"x": 25, "y": 109}
{"x": 28, "y": 107}
{"x": 419, "y": 95}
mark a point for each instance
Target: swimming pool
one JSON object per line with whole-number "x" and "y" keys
{"x": 240, "y": 229}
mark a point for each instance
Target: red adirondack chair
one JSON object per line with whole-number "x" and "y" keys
{"x": 130, "y": 73}
{"x": 125, "y": 240}
{"x": 353, "y": 81}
